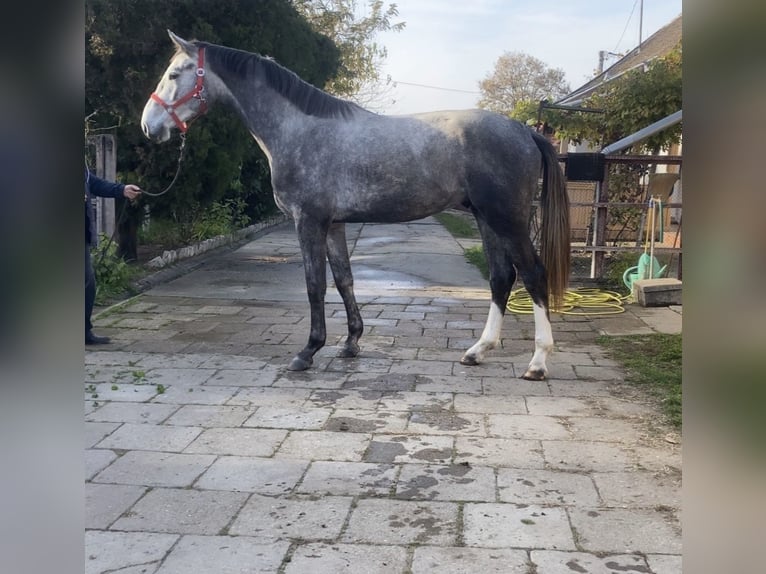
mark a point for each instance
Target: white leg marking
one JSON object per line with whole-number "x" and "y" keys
{"x": 543, "y": 341}
{"x": 489, "y": 337}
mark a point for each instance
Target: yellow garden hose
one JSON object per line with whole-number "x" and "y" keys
{"x": 580, "y": 301}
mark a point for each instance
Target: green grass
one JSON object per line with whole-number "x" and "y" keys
{"x": 458, "y": 226}
{"x": 475, "y": 255}
{"x": 654, "y": 363}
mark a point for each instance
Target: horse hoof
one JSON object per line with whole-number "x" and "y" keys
{"x": 534, "y": 375}
{"x": 469, "y": 360}
{"x": 348, "y": 352}
{"x": 298, "y": 364}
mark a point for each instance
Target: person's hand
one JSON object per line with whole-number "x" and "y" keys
{"x": 131, "y": 191}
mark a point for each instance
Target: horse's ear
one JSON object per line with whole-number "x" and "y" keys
{"x": 182, "y": 44}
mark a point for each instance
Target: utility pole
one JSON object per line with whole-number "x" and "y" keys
{"x": 640, "y": 24}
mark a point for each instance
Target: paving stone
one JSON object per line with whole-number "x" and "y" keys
{"x": 224, "y": 555}
{"x": 527, "y": 427}
{"x": 455, "y": 482}
{"x": 556, "y": 562}
{"x": 132, "y": 413}
{"x": 104, "y": 503}
{"x": 656, "y": 460}
{"x": 483, "y": 404}
{"x": 155, "y": 469}
{"x": 250, "y": 474}
{"x": 361, "y": 364}
{"x": 131, "y": 436}
{"x": 214, "y": 367}
{"x": 126, "y": 391}
{"x": 288, "y": 418}
{"x": 511, "y": 386}
{"x": 323, "y": 445}
{"x": 181, "y": 377}
{"x": 210, "y": 416}
{"x": 271, "y": 397}
{"x": 586, "y": 389}
{"x": 300, "y": 517}
{"x": 264, "y": 377}
{"x": 664, "y": 564}
{"x": 605, "y": 429}
{"x": 158, "y": 360}
{"x": 617, "y": 408}
{"x": 545, "y": 487}
{"x": 599, "y": 373}
{"x": 347, "y": 559}
{"x": 461, "y": 560}
{"x": 365, "y": 400}
{"x": 624, "y": 531}
{"x": 448, "y": 384}
{"x": 229, "y": 361}
{"x": 315, "y": 380}
{"x": 638, "y": 489}
{"x": 360, "y": 421}
{"x": 387, "y": 382}
{"x": 348, "y": 478}
{"x": 97, "y": 460}
{"x": 119, "y": 551}
{"x": 403, "y": 522}
{"x": 196, "y": 395}
{"x": 505, "y": 525}
{"x": 95, "y": 432}
{"x": 502, "y": 452}
{"x": 416, "y": 367}
{"x": 409, "y": 448}
{"x": 182, "y": 511}
{"x": 585, "y": 456}
{"x": 104, "y": 373}
{"x": 491, "y": 368}
{"x": 149, "y": 344}
{"x": 415, "y": 401}
{"x": 560, "y": 406}
{"x": 237, "y": 441}
{"x": 446, "y": 423}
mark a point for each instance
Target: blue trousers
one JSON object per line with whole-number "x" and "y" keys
{"x": 90, "y": 288}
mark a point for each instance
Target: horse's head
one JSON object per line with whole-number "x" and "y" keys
{"x": 180, "y": 95}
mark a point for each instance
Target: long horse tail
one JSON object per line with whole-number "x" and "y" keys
{"x": 554, "y": 238}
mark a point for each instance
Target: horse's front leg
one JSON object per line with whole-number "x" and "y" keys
{"x": 337, "y": 254}
{"x": 312, "y": 237}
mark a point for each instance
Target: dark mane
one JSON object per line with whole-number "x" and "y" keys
{"x": 307, "y": 98}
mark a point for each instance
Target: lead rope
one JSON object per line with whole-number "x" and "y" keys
{"x": 178, "y": 170}
{"x": 106, "y": 247}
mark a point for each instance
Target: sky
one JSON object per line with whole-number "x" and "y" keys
{"x": 453, "y": 44}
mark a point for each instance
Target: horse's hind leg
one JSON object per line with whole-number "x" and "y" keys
{"x": 502, "y": 276}
{"x": 312, "y": 236}
{"x": 533, "y": 274}
{"x": 337, "y": 254}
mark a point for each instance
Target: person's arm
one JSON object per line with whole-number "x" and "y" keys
{"x": 104, "y": 188}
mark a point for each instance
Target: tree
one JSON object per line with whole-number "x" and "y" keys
{"x": 630, "y": 102}
{"x": 358, "y": 77}
{"x": 518, "y": 80}
{"x": 127, "y": 48}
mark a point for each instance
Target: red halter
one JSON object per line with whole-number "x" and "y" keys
{"x": 196, "y": 92}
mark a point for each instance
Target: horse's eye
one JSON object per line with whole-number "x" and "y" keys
{"x": 173, "y": 76}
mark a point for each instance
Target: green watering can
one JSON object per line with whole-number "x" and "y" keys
{"x": 648, "y": 265}
{"x": 641, "y": 271}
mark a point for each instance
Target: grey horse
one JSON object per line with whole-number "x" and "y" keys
{"x": 334, "y": 162}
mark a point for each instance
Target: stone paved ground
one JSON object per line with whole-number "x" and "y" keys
{"x": 204, "y": 455}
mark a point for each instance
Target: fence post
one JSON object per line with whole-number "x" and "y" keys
{"x": 599, "y": 225}
{"x": 105, "y": 168}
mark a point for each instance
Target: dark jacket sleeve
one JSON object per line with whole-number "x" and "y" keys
{"x": 103, "y": 188}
